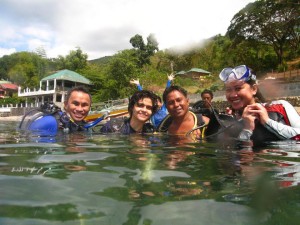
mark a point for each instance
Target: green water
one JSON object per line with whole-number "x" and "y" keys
{"x": 158, "y": 180}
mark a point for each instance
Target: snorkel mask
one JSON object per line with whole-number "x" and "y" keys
{"x": 241, "y": 72}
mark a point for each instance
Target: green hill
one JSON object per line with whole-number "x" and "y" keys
{"x": 101, "y": 61}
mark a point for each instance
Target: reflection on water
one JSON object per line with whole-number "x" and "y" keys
{"x": 153, "y": 179}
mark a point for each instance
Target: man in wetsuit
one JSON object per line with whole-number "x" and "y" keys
{"x": 47, "y": 120}
{"x": 77, "y": 106}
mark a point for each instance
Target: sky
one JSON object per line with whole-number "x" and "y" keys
{"x": 104, "y": 27}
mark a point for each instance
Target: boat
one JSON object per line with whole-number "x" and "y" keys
{"x": 113, "y": 108}
{"x": 113, "y": 114}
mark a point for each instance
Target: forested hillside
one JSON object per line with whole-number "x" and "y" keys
{"x": 264, "y": 35}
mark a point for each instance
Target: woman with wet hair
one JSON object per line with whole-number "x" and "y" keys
{"x": 260, "y": 121}
{"x": 141, "y": 106}
{"x": 162, "y": 111}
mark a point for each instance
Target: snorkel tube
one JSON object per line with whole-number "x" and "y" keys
{"x": 96, "y": 121}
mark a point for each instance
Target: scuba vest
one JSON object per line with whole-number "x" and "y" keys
{"x": 122, "y": 126}
{"x": 164, "y": 126}
{"x": 278, "y": 113}
{"x": 261, "y": 134}
{"x": 49, "y": 119}
{"x": 41, "y": 121}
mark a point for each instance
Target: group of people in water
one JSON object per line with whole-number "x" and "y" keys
{"x": 249, "y": 117}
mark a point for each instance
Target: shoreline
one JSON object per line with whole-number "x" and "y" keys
{"x": 19, "y": 118}
{"x": 11, "y": 118}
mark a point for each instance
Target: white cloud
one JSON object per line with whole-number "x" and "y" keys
{"x": 104, "y": 27}
{"x": 7, "y": 51}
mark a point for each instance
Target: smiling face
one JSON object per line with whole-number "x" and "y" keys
{"x": 240, "y": 94}
{"x": 78, "y": 105}
{"x": 177, "y": 104}
{"x": 142, "y": 110}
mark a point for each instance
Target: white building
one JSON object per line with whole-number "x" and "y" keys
{"x": 54, "y": 88}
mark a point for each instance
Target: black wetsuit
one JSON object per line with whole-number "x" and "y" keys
{"x": 67, "y": 125}
{"x": 122, "y": 126}
{"x": 214, "y": 125}
{"x": 260, "y": 134}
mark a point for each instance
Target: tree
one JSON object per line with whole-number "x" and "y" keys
{"x": 144, "y": 51}
{"x": 41, "y": 52}
{"x": 269, "y": 21}
{"x": 116, "y": 76}
{"x": 75, "y": 60}
{"x": 24, "y": 68}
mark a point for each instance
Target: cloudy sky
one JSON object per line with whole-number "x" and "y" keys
{"x": 104, "y": 27}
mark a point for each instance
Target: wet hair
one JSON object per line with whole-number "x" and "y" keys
{"x": 79, "y": 89}
{"x": 259, "y": 97}
{"x": 206, "y": 91}
{"x": 138, "y": 95}
{"x": 159, "y": 98}
{"x": 171, "y": 89}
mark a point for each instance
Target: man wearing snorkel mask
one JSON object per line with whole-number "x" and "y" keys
{"x": 260, "y": 121}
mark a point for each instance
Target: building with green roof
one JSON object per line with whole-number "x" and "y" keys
{"x": 54, "y": 87}
{"x": 194, "y": 73}
{"x": 67, "y": 75}
{"x": 197, "y": 73}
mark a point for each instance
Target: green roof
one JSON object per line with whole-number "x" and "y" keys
{"x": 5, "y": 82}
{"x": 198, "y": 70}
{"x": 181, "y": 72}
{"x": 68, "y": 75}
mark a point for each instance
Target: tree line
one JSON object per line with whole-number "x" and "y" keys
{"x": 264, "y": 35}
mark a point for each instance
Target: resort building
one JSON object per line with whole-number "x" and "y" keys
{"x": 7, "y": 89}
{"x": 53, "y": 88}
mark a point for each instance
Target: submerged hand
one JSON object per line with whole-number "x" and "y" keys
{"x": 197, "y": 134}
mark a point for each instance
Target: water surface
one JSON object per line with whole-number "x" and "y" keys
{"x": 152, "y": 179}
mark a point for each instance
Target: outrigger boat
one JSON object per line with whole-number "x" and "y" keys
{"x": 115, "y": 113}
{"x": 113, "y": 108}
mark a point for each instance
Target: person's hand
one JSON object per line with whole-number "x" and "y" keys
{"x": 260, "y": 111}
{"x": 171, "y": 77}
{"x": 197, "y": 134}
{"x": 136, "y": 82}
{"x": 228, "y": 111}
{"x": 194, "y": 134}
{"x": 254, "y": 112}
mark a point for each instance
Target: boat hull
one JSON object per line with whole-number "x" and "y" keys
{"x": 112, "y": 114}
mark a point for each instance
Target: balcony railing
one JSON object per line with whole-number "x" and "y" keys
{"x": 28, "y": 92}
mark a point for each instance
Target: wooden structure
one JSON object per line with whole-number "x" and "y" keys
{"x": 194, "y": 73}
